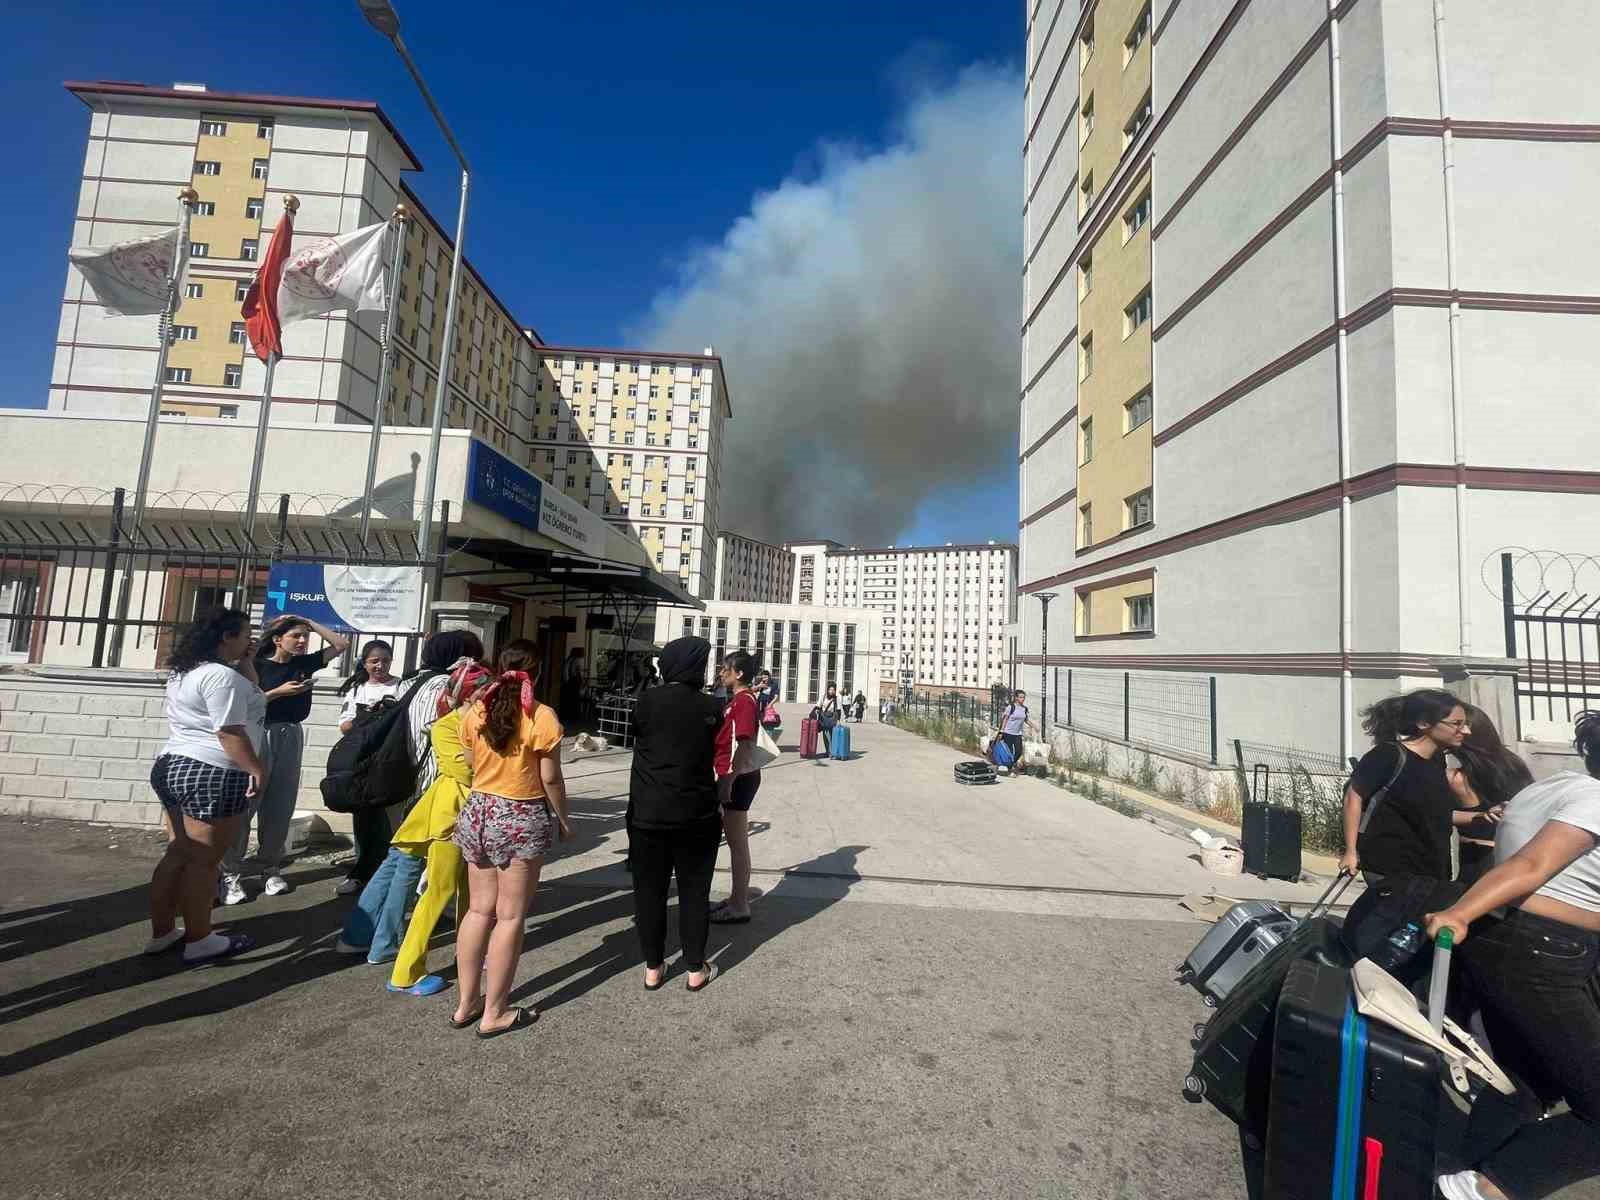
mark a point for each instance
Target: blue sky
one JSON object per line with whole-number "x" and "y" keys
{"x": 611, "y": 143}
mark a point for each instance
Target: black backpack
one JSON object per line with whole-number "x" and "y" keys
{"x": 371, "y": 766}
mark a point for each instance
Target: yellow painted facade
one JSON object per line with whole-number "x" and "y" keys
{"x": 1115, "y": 307}
{"x": 237, "y": 150}
{"x": 212, "y": 315}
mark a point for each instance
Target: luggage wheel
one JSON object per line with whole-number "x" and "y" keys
{"x": 1199, "y": 1030}
{"x": 1210, "y": 1000}
{"x": 1194, "y": 1089}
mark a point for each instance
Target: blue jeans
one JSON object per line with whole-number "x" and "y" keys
{"x": 378, "y": 921}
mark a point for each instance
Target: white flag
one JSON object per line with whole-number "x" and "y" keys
{"x": 130, "y": 278}
{"x": 329, "y": 273}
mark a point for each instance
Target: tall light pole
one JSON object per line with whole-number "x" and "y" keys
{"x": 1044, "y": 669}
{"x": 380, "y": 14}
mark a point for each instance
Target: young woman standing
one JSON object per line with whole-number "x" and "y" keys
{"x": 736, "y": 784}
{"x": 285, "y": 668}
{"x": 206, "y": 777}
{"x": 517, "y": 808}
{"x": 370, "y": 683}
{"x": 1488, "y": 775}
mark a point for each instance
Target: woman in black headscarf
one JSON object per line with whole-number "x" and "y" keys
{"x": 674, "y": 824}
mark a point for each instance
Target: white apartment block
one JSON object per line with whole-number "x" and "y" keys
{"x": 638, "y": 438}
{"x": 944, "y": 610}
{"x": 748, "y": 569}
{"x": 635, "y": 436}
{"x": 1310, "y": 335}
{"x": 805, "y": 646}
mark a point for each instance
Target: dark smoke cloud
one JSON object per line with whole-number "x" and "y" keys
{"x": 868, "y": 318}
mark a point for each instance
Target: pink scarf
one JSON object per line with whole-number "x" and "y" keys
{"x": 518, "y": 677}
{"x": 466, "y": 678}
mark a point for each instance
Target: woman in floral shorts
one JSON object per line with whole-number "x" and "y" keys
{"x": 516, "y": 810}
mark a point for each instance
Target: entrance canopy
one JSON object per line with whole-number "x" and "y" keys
{"x": 554, "y": 575}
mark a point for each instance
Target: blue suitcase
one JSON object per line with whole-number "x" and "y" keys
{"x": 840, "y": 746}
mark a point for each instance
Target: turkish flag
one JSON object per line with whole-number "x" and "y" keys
{"x": 260, "y": 308}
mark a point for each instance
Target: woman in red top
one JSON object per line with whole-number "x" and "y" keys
{"x": 736, "y": 784}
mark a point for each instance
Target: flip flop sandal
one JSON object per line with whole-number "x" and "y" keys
{"x": 524, "y": 1018}
{"x": 471, "y": 1020}
{"x": 238, "y": 943}
{"x": 711, "y": 973}
{"x": 660, "y": 983}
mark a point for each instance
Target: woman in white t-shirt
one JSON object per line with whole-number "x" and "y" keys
{"x": 1531, "y": 962}
{"x": 206, "y": 776}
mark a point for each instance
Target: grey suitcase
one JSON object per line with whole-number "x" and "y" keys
{"x": 1255, "y": 946}
{"x": 1244, "y": 924}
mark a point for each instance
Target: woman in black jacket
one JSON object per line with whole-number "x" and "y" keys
{"x": 674, "y": 823}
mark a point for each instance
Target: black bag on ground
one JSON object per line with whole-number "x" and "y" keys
{"x": 371, "y": 766}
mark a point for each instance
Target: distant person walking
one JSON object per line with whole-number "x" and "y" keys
{"x": 515, "y": 812}
{"x": 206, "y": 776}
{"x": 1013, "y": 727}
{"x": 370, "y": 684}
{"x": 285, "y": 669}
{"x": 861, "y": 706}
{"x": 828, "y": 714}
{"x": 675, "y": 826}
{"x": 573, "y": 678}
{"x": 737, "y": 784}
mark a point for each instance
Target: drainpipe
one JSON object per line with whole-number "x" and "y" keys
{"x": 1342, "y": 389}
{"x": 1458, "y": 425}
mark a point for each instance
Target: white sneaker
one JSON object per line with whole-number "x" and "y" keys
{"x": 349, "y": 886}
{"x": 232, "y": 889}
{"x": 276, "y": 885}
{"x": 1465, "y": 1185}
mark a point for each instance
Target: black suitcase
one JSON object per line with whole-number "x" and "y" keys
{"x": 1269, "y": 835}
{"x": 1360, "y": 1109}
{"x": 1233, "y": 1051}
{"x": 975, "y": 771}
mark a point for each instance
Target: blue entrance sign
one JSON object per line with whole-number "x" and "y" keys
{"x": 501, "y": 486}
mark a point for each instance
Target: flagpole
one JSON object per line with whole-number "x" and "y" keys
{"x": 385, "y": 367}
{"x": 187, "y": 198}
{"x": 292, "y": 204}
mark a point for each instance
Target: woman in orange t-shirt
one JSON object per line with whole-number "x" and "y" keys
{"x": 517, "y": 808}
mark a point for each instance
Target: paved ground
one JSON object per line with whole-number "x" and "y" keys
{"x": 867, "y": 1037}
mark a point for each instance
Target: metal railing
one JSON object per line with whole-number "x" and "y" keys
{"x": 1160, "y": 709}
{"x": 1551, "y": 608}
{"x": 954, "y": 706}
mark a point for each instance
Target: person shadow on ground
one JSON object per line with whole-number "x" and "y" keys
{"x": 805, "y": 890}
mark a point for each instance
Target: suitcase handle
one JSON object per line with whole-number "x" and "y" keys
{"x": 1330, "y": 897}
{"x": 1439, "y": 985}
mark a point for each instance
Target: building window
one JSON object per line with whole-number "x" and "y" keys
{"x": 1138, "y": 509}
{"x": 264, "y": 128}
{"x": 694, "y": 441}
{"x": 1134, "y": 219}
{"x": 232, "y": 375}
{"x": 1136, "y": 35}
{"x": 213, "y": 129}
{"x": 688, "y": 512}
{"x": 1086, "y": 193}
{"x": 1136, "y": 314}
{"x": 199, "y": 249}
{"x": 1085, "y": 275}
{"x": 1140, "y": 613}
{"x": 252, "y": 208}
{"x": 248, "y": 248}
{"x": 241, "y": 288}
{"x": 1085, "y": 120}
{"x": 205, "y": 208}
{"x": 1086, "y": 525}
{"x": 179, "y": 374}
{"x": 184, "y": 333}
{"x": 1086, "y": 357}
{"x": 1136, "y": 411}
{"x": 1136, "y": 123}
{"x": 193, "y": 291}
{"x": 207, "y": 167}
{"x": 572, "y": 482}
{"x": 1086, "y": 46}
{"x": 236, "y": 333}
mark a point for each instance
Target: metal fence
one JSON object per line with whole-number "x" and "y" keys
{"x": 1551, "y": 607}
{"x": 955, "y": 706}
{"x": 76, "y": 585}
{"x": 1164, "y": 710}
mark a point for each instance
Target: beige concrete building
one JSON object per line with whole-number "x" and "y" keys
{"x": 748, "y": 569}
{"x": 1308, "y": 296}
{"x": 633, "y": 436}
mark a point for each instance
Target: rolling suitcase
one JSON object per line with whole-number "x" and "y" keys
{"x": 1243, "y": 936}
{"x": 1361, "y": 1109}
{"x": 1269, "y": 835}
{"x": 1232, "y": 1067}
{"x": 840, "y": 746}
{"x": 976, "y": 771}
{"x": 808, "y": 738}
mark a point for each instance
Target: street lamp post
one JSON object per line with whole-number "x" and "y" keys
{"x": 1044, "y": 669}
{"x": 380, "y": 14}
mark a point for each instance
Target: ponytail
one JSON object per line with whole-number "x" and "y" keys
{"x": 1397, "y": 718}
{"x": 510, "y": 697}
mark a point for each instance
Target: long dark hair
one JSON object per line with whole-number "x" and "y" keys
{"x": 1400, "y": 717}
{"x": 267, "y": 647}
{"x": 1586, "y": 739}
{"x": 198, "y": 642}
{"x": 1493, "y": 771}
{"x": 744, "y": 665}
{"x": 503, "y": 716}
{"x": 360, "y": 675}
{"x": 448, "y": 647}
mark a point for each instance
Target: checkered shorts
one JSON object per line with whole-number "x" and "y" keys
{"x": 199, "y": 790}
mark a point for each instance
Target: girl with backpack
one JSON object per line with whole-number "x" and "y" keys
{"x": 515, "y": 812}
{"x": 370, "y": 684}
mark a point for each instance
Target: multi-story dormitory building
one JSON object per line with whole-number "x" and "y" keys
{"x": 1309, "y": 297}
{"x": 633, "y": 436}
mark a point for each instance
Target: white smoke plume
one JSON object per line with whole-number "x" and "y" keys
{"x": 868, "y": 319}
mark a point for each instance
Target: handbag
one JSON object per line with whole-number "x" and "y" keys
{"x": 764, "y": 751}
